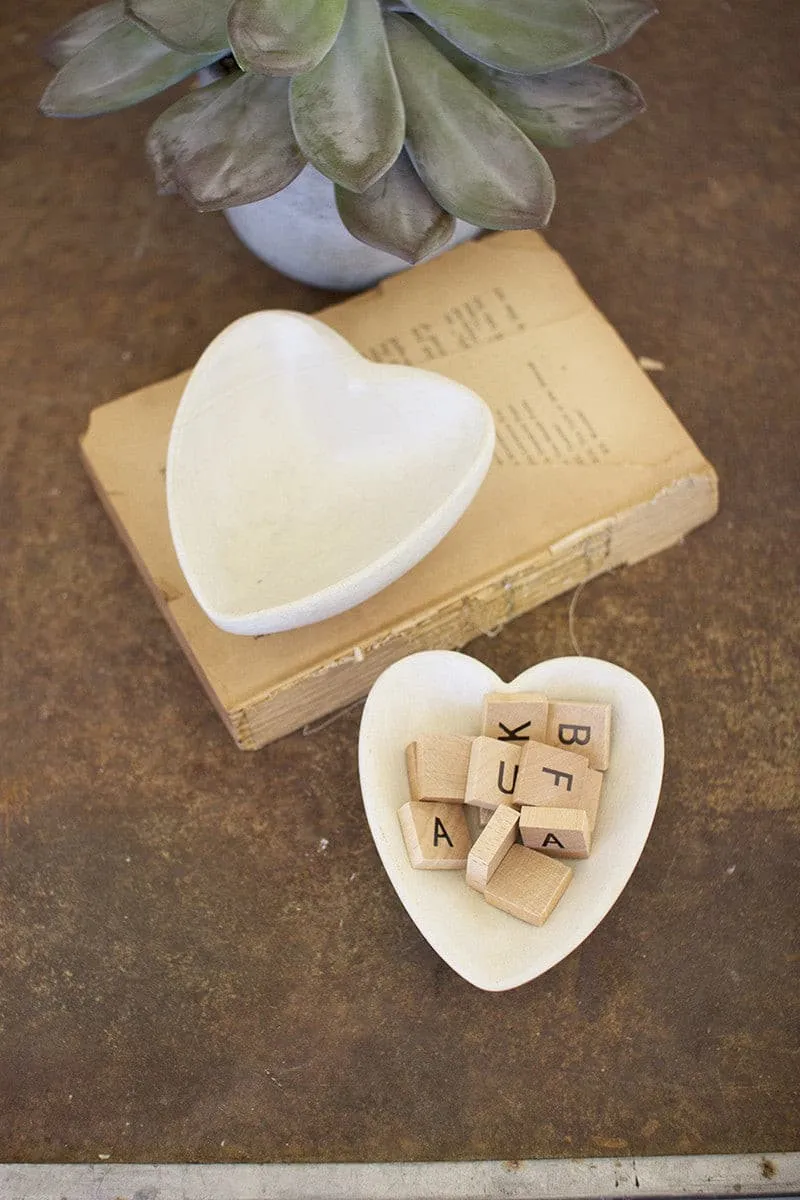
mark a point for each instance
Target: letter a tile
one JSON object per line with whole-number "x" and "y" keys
{"x": 560, "y": 832}
{"x": 436, "y": 835}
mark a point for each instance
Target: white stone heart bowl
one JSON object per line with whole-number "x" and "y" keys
{"x": 442, "y": 692}
{"x": 302, "y": 478}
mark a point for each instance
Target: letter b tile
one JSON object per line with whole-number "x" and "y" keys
{"x": 582, "y": 729}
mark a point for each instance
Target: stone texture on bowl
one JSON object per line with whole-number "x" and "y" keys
{"x": 442, "y": 692}
{"x": 303, "y": 478}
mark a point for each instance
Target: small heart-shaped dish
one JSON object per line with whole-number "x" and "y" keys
{"x": 442, "y": 692}
{"x": 302, "y": 478}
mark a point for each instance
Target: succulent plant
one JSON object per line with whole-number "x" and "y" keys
{"x": 419, "y": 112}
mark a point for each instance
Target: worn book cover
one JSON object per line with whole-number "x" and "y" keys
{"x": 591, "y": 470}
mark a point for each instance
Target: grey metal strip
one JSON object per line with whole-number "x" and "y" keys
{"x": 735, "y": 1175}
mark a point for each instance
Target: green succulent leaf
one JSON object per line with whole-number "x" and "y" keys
{"x": 529, "y": 36}
{"x": 469, "y": 154}
{"x": 121, "y": 67}
{"x": 579, "y": 104}
{"x": 397, "y": 214}
{"x": 66, "y": 42}
{"x": 560, "y": 108}
{"x": 283, "y": 37}
{"x": 227, "y": 144}
{"x": 194, "y": 26}
{"x": 166, "y": 135}
{"x": 621, "y": 18}
{"x": 347, "y": 112}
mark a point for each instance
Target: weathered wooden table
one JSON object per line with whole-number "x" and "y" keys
{"x": 202, "y": 958}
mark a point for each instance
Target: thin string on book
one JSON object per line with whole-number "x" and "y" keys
{"x": 315, "y": 726}
{"x": 573, "y": 608}
{"x": 508, "y": 593}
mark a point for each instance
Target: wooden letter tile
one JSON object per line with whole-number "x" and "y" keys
{"x": 411, "y": 769}
{"x": 437, "y": 767}
{"x": 493, "y": 772}
{"x": 551, "y": 777}
{"x": 489, "y": 850}
{"x": 515, "y": 716}
{"x": 528, "y": 885}
{"x": 591, "y": 796}
{"x": 560, "y": 832}
{"x": 436, "y": 835}
{"x": 582, "y": 729}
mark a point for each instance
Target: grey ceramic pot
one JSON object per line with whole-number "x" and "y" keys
{"x": 299, "y": 233}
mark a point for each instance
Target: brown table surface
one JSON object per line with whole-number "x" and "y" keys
{"x": 186, "y": 975}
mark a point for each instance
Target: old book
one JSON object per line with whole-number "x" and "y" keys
{"x": 592, "y": 470}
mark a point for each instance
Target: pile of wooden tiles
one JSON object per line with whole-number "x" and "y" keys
{"x": 535, "y": 776}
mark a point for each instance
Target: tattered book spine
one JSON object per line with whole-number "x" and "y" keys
{"x": 626, "y": 538}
